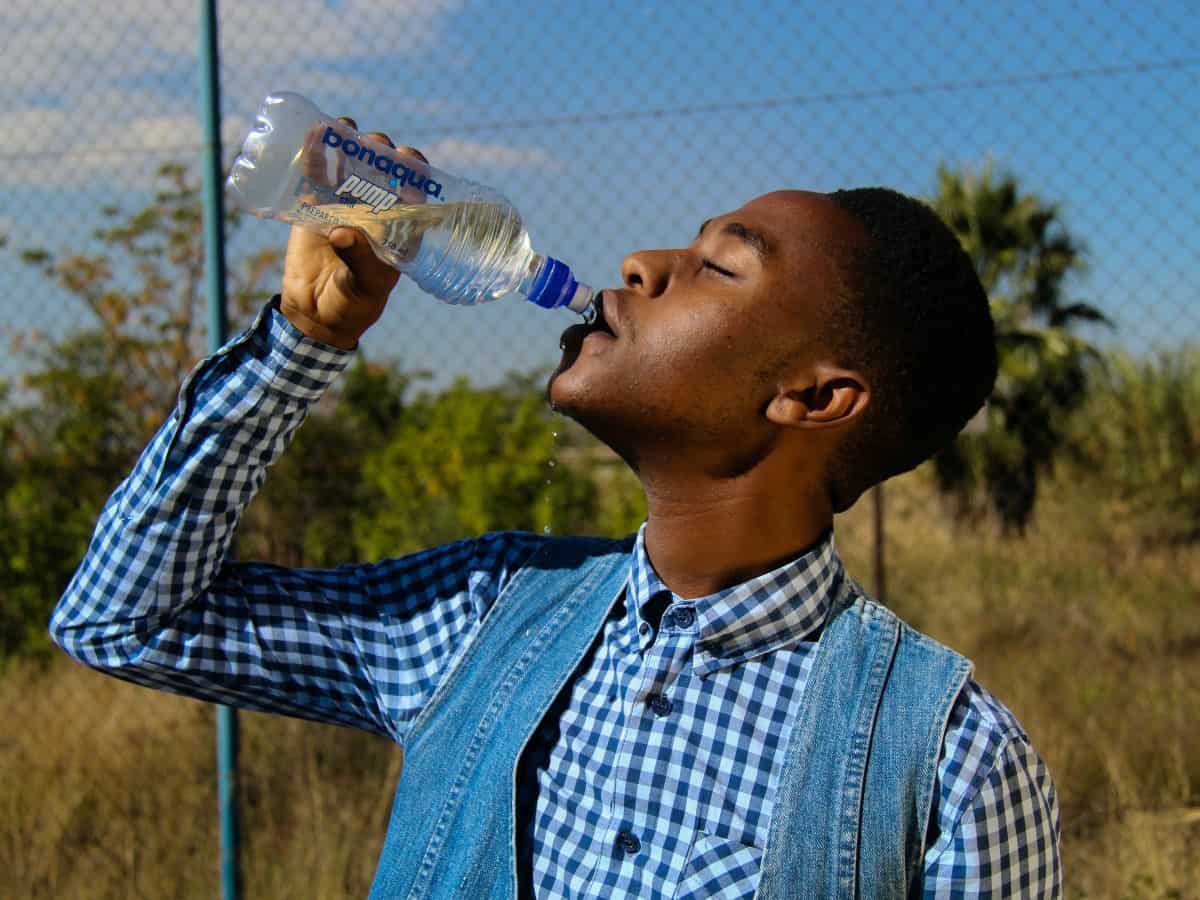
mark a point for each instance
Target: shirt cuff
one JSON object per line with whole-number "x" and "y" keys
{"x": 278, "y": 356}
{"x": 291, "y": 361}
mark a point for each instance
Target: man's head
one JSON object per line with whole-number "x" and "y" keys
{"x": 844, "y": 337}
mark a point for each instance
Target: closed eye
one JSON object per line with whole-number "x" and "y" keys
{"x": 709, "y": 264}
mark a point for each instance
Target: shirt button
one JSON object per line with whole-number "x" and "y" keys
{"x": 629, "y": 843}
{"x": 685, "y": 617}
{"x": 644, "y": 628}
{"x": 660, "y": 704}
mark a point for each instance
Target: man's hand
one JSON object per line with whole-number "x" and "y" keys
{"x": 334, "y": 288}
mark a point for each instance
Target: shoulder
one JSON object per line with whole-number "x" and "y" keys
{"x": 986, "y": 752}
{"x": 915, "y": 648}
{"x": 489, "y": 561}
{"x": 979, "y": 728}
{"x": 994, "y": 798}
{"x": 997, "y": 813}
{"x": 982, "y": 735}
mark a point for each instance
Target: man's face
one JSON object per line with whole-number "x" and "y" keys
{"x": 703, "y": 334}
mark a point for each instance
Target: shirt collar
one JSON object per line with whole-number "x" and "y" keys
{"x": 769, "y": 612}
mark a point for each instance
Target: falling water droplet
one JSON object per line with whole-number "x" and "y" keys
{"x": 551, "y": 465}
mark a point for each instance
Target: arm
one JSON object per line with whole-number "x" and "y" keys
{"x": 998, "y": 811}
{"x": 155, "y": 602}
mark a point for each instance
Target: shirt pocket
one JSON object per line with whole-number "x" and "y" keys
{"x": 721, "y": 868}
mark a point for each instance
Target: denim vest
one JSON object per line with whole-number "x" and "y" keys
{"x": 856, "y": 785}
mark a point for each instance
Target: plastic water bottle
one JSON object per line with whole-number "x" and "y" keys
{"x": 460, "y": 241}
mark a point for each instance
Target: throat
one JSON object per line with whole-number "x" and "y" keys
{"x": 700, "y": 547}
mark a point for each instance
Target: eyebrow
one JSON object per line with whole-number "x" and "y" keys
{"x": 756, "y": 240}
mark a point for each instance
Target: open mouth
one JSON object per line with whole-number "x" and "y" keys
{"x": 599, "y": 322}
{"x": 572, "y": 339}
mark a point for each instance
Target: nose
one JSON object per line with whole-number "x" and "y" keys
{"x": 648, "y": 271}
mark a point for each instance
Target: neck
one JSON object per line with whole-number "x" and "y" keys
{"x": 704, "y": 534}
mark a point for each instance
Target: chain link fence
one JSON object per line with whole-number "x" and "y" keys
{"x": 1059, "y": 138}
{"x": 615, "y": 128}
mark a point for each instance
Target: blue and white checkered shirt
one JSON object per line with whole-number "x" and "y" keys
{"x": 655, "y": 774}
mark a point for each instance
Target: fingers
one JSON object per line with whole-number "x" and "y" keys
{"x": 323, "y": 170}
{"x": 406, "y": 150}
{"x": 413, "y": 151}
{"x": 369, "y": 275}
{"x": 351, "y": 247}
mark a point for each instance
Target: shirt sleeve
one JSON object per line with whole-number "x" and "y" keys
{"x": 155, "y": 601}
{"x": 998, "y": 810}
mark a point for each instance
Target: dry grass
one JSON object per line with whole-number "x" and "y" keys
{"x": 1091, "y": 634}
{"x": 109, "y": 792}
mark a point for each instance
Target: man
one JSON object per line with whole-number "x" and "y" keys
{"x": 711, "y": 708}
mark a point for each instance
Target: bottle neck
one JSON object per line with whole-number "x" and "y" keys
{"x": 550, "y": 284}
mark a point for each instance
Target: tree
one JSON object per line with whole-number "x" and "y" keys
{"x": 148, "y": 328}
{"x": 471, "y": 460}
{"x": 1024, "y": 256}
{"x": 1138, "y": 435}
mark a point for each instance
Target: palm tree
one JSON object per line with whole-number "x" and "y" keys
{"x": 1023, "y": 255}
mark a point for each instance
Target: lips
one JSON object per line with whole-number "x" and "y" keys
{"x": 601, "y": 322}
{"x": 604, "y": 314}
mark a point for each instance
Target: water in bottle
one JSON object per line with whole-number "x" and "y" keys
{"x": 460, "y": 241}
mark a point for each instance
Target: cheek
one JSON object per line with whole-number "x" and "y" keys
{"x": 699, "y": 357}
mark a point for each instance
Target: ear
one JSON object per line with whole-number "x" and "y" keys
{"x": 823, "y": 397}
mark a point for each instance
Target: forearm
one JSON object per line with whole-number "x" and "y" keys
{"x": 165, "y": 531}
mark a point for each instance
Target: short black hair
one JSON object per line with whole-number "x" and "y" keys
{"x": 914, "y": 319}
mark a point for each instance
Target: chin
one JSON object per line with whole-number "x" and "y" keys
{"x": 564, "y": 401}
{"x": 566, "y": 387}
{"x": 582, "y": 404}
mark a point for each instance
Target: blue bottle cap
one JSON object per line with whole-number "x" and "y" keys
{"x": 555, "y": 286}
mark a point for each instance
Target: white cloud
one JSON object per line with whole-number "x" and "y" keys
{"x": 59, "y": 44}
{"x": 87, "y": 83}
{"x": 92, "y": 122}
{"x": 74, "y": 146}
{"x": 57, "y": 147}
{"x": 450, "y": 154}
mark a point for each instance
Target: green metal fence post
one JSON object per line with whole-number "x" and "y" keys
{"x": 214, "y": 255}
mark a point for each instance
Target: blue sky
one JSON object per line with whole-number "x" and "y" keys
{"x": 617, "y": 126}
